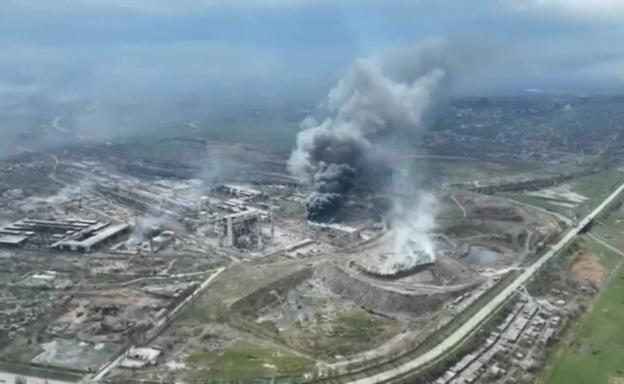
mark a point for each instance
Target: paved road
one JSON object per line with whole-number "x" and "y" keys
{"x": 473, "y": 323}
{"x": 56, "y": 124}
{"x": 561, "y": 217}
{"x": 459, "y": 205}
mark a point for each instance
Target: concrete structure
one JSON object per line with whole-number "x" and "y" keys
{"x": 138, "y": 357}
{"x": 239, "y": 192}
{"x": 87, "y": 240}
{"x": 10, "y": 240}
{"x": 63, "y": 234}
{"x": 162, "y": 240}
{"x": 338, "y": 232}
{"x": 22, "y": 230}
{"x": 243, "y": 229}
{"x": 150, "y": 202}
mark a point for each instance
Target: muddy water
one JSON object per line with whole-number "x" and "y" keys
{"x": 482, "y": 256}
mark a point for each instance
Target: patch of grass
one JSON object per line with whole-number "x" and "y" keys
{"x": 459, "y": 170}
{"x": 591, "y": 350}
{"x": 596, "y": 187}
{"x": 247, "y": 360}
{"x": 548, "y": 204}
{"x": 357, "y": 327}
{"x": 608, "y": 258}
{"x": 348, "y": 332}
{"x": 213, "y": 304}
{"x": 599, "y": 184}
{"x": 610, "y": 225}
{"x": 325, "y": 335}
{"x": 595, "y": 354}
{"x": 272, "y": 134}
{"x": 269, "y": 326}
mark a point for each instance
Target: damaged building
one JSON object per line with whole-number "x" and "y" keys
{"x": 244, "y": 229}
{"x": 71, "y": 234}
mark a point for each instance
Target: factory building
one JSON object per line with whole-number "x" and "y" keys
{"x": 79, "y": 235}
{"x": 92, "y": 238}
{"x": 244, "y": 229}
{"x": 242, "y": 193}
{"x": 339, "y": 233}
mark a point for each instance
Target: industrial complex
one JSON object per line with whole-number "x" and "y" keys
{"x": 187, "y": 260}
{"x": 113, "y": 275}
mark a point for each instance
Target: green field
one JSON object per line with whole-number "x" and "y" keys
{"x": 610, "y": 227}
{"x": 548, "y": 204}
{"x": 595, "y": 188}
{"x": 592, "y": 352}
{"x": 261, "y": 349}
{"x": 608, "y": 259}
{"x": 275, "y": 135}
{"x": 246, "y": 360}
{"x": 349, "y": 332}
{"x": 213, "y": 304}
{"x": 461, "y": 170}
{"x": 599, "y": 184}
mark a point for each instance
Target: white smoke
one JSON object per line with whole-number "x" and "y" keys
{"x": 412, "y": 225}
{"x": 145, "y": 227}
{"x": 64, "y": 195}
{"x": 365, "y": 106}
{"x": 373, "y": 111}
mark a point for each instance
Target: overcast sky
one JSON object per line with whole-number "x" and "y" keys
{"x": 298, "y": 47}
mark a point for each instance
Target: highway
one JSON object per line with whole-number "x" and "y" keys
{"x": 474, "y": 322}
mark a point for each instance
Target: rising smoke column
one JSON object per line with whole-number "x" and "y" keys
{"x": 372, "y": 107}
{"x": 331, "y": 183}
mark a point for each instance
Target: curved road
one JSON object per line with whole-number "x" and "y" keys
{"x": 56, "y": 124}
{"x": 473, "y": 323}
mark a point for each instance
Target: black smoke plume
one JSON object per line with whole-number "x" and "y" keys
{"x": 331, "y": 183}
{"x": 371, "y": 109}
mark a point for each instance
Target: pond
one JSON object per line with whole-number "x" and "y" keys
{"x": 482, "y": 256}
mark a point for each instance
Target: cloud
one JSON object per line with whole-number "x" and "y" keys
{"x": 114, "y": 68}
{"x": 580, "y": 9}
{"x": 610, "y": 69}
{"x": 163, "y": 6}
{"x": 298, "y": 45}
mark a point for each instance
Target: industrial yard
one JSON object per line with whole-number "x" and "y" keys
{"x": 311, "y": 192}
{"x": 117, "y": 266}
